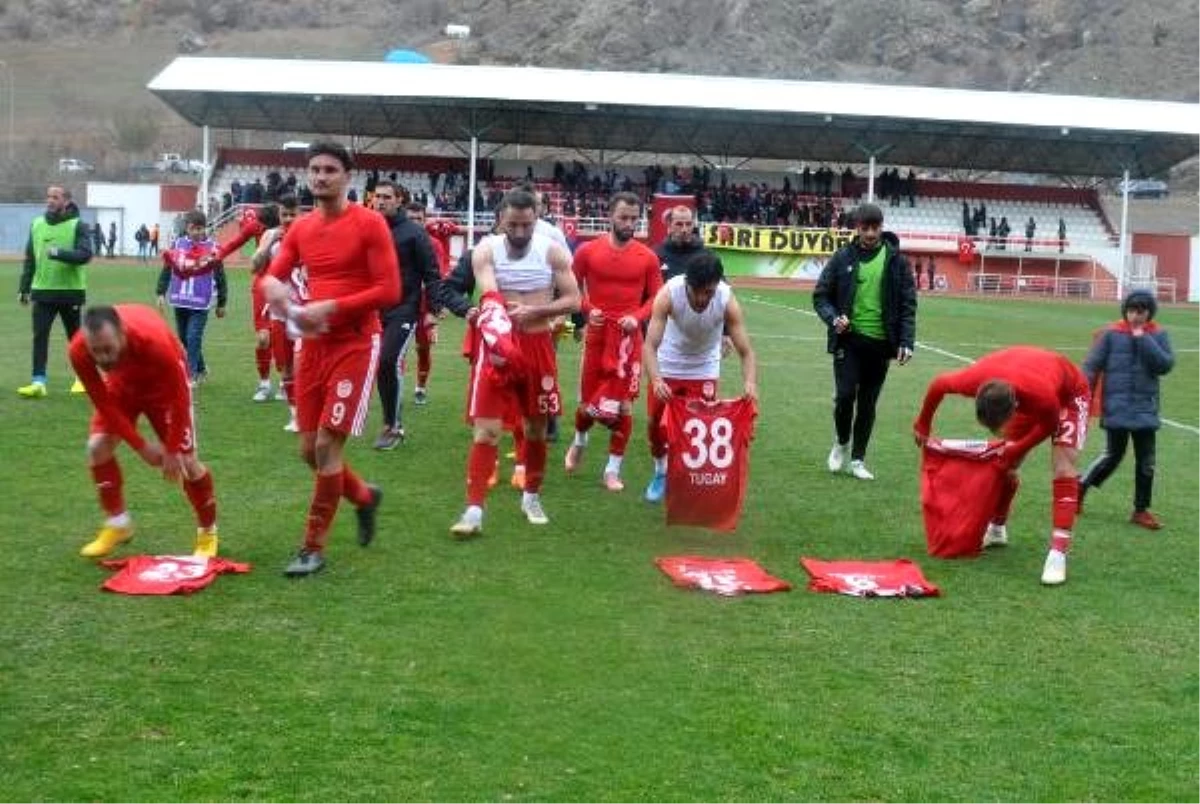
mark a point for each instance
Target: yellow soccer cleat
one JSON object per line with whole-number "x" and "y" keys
{"x": 77, "y": 387}
{"x": 35, "y": 390}
{"x": 108, "y": 539}
{"x": 206, "y": 543}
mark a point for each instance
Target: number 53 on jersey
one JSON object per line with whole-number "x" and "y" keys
{"x": 708, "y": 461}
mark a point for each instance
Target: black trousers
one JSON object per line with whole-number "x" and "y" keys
{"x": 44, "y": 314}
{"x": 398, "y": 335}
{"x": 1143, "y": 463}
{"x": 860, "y": 365}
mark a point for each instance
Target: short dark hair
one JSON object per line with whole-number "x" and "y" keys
{"x": 97, "y": 316}
{"x": 268, "y": 215}
{"x": 195, "y": 217}
{"x": 623, "y": 198}
{"x": 414, "y": 206}
{"x": 387, "y": 183}
{"x": 329, "y": 148}
{"x": 703, "y": 269}
{"x": 995, "y": 402}
{"x": 289, "y": 202}
{"x": 868, "y": 215}
{"x": 518, "y": 198}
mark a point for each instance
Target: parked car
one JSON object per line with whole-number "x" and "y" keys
{"x": 72, "y": 165}
{"x": 1145, "y": 188}
{"x": 175, "y": 163}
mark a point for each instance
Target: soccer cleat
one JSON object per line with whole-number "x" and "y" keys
{"x": 420, "y": 397}
{"x": 532, "y": 508}
{"x": 573, "y": 457}
{"x": 305, "y": 563}
{"x": 280, "y": 396}
{"x": 390, "y": 438}
{"x": 263, "y": 394}
{"x": 467, "y": 526}
{"x": 366, "y": 516}
{"x": 612, "y": 482}
{"x": 35, "y": 390}
{"x": 1145, "y": 519}
{"x": 206, "y": 543}
{"x": 1054, "y": 572}
{"x": 77, "y": 387}
{"x": 518, "y": 478}
{"x": 107, "y": 540}
{"x": 657, "y": 488}
{"x": 837, "y": 457}
{"x": 291, "y": 426}
{"x": 995, "y": 536}
{"x": 859, "y": 470}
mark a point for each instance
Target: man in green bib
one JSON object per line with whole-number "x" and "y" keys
{"x": 54, "y": 279}
{"x": 867, "y": 299}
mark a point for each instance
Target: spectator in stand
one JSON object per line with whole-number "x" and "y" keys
{"x": 910, "y": 187}
{"x": 97, "y": 233}
{"x": 142, "y": 237}
{"x": 1062, "y": 235}
{"x": 1003, "y": 231}
{"x": 930, "y": 269}
{"x": 1030, "y": 229}
{"x": 112, "y": 239}
{"x": 993, "y": 234}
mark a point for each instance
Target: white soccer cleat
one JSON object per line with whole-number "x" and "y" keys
{"x": 859, "y": 470}
{"x": 291, "y": 427}
{"x": 838, "y": 456}
{"x": 1054, "y": 572}
{"x": 468, "y": 525}
{"x": 263, "y": 394}
{"x": 532, "y": 508}
{"x": 995, "y": 536}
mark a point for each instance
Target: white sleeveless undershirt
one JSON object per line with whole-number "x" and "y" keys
{"x": 529, "y": 272}
{"x": 691, "y": 345}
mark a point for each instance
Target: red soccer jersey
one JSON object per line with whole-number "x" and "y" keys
{"x": 166, "y": 575}
{"x": 251, "y": 229}
{"x": 709, "y": 460}
{"x": 961, "y": 484}
{"x": 348, "y": 258}
{"x": 724, "y": 576}
{"x": 1045, "y": 382}
{"x": 617, "y": 281}
{"x": 153, "y": 367}
{"x": 900, "y": 578}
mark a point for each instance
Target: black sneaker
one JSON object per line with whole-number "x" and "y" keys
{"x": 305, "y": 563}
{"x": 420, "y": 396}
{"x": 390, "y": 438}
{"x": 366, "y": 516}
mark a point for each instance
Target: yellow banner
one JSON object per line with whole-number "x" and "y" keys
{"x": 769, "y": 240}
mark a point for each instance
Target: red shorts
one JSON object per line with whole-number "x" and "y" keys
{"x": 333, "y": 383}
{"x": 593, "y": 380}
{"x": 258, "y": 304}
{"x": 1072, "y": 425}
{"x": 688, "y": 389}
{"x": 133, "y": 403}
{"x": 530, "y": 390}
{"x": 283, "y": 348}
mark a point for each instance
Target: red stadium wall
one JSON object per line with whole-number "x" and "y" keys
{"x": 177, "y": 197}
{"x": 1174, "y": 255}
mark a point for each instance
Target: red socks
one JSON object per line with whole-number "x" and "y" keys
{"x": 620, "y": 435}
{"x": 424, "y": 364}
{"x": 354, "y": 488}
{"x": 262, "y": 361}
{"x": 481, "y": 462}
{"x": 535, "y": 465}
{"x": 583, "y": 422}
{"x": 327, "y": 492}
{"x": 109, "y": 486}
{"x": 204, "y": 501}
{"x": 1004, "y": 504}
{"x": 1066, "y": 502}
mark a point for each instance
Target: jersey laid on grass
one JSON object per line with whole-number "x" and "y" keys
{"x": 708, "y": 460}
{"x": 166, "y": 575}
{"x": 899, "y": 578}
{"x": 724, "y": 576}
{"x": 961, "y": 485}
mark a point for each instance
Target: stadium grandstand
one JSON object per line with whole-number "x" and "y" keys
{"x": 717, "y": 127}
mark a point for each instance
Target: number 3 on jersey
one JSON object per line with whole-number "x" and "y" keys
{"x": 709, "y": 444}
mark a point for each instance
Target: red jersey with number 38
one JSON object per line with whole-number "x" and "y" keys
{"x": 708, "y": 461}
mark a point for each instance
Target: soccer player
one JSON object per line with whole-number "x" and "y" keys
{"x": 619, "y": 278}
{"x": 270, "y": 328}
{"x": 351, "y": 273}
{"x": 1027, "y": 395}
{"x": 518, "y": 274}
{"x": 419, "y": 279}
{"x": 266, "y": 227}
{"x": 145, "y": 373}
{"x": 867, "y": 299}
{"x": 192, "y": 279}
{"x": 427, "y": 331}
{"x": 682, "y": 353}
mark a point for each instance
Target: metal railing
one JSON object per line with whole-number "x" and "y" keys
{"x": 1099, "y": 288}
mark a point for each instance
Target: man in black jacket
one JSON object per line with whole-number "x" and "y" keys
{"x": 682, "y": 242}
{"x": 418, "y": 274}
{"x": 866, "y": 296}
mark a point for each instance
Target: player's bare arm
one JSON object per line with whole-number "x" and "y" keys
{"x": 483, "y": 265}
{"x": 654, "y": 336}
{"x": 262, "y": 255}
{"x": 735, "y": 330}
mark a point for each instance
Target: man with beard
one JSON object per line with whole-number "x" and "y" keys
{"x": 525, "y": 281}
{"x": 618, "y": 278}
{"x": 351, "y": 273}
{"x": 867, "y": 299}
{"x": 54, "y": 279}
{"x": 681, "y": 242}
{"x": 145, "y": 374}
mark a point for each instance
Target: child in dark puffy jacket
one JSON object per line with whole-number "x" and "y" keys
{"x": 1123, "y": 368}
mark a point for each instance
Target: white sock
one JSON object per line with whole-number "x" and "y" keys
{"x": 660, "y": 465}
{"x": 614, "y": 465}
{"x": 420, "y": 389}
{"x": 264, "y": 384}
{"x": 518, "y": 467}
{"x": 121, "y": 520}
{"x": 581, "y": 439}
{"x": 292, "y": 410}
{"x": 474, "y": 513}
{"x": 528, "y": 497}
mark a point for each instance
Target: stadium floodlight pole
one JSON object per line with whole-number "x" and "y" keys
{"x": 12, "y": 83}
{"x": 871, "y": 179}
{"x": 471, "y": 192}
{"x": 1124, "y": 241}
{"x": 202, "y": 201}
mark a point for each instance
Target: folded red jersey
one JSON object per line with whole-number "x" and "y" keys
{"x": 724, "y": 576}
{"x": 899, "y": 578}
{"x": 166, "y": 575}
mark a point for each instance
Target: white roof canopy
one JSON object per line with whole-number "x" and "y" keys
{"x": 671, "y": 113}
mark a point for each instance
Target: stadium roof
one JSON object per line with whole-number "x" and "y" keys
{"x": 672, "y": 113}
